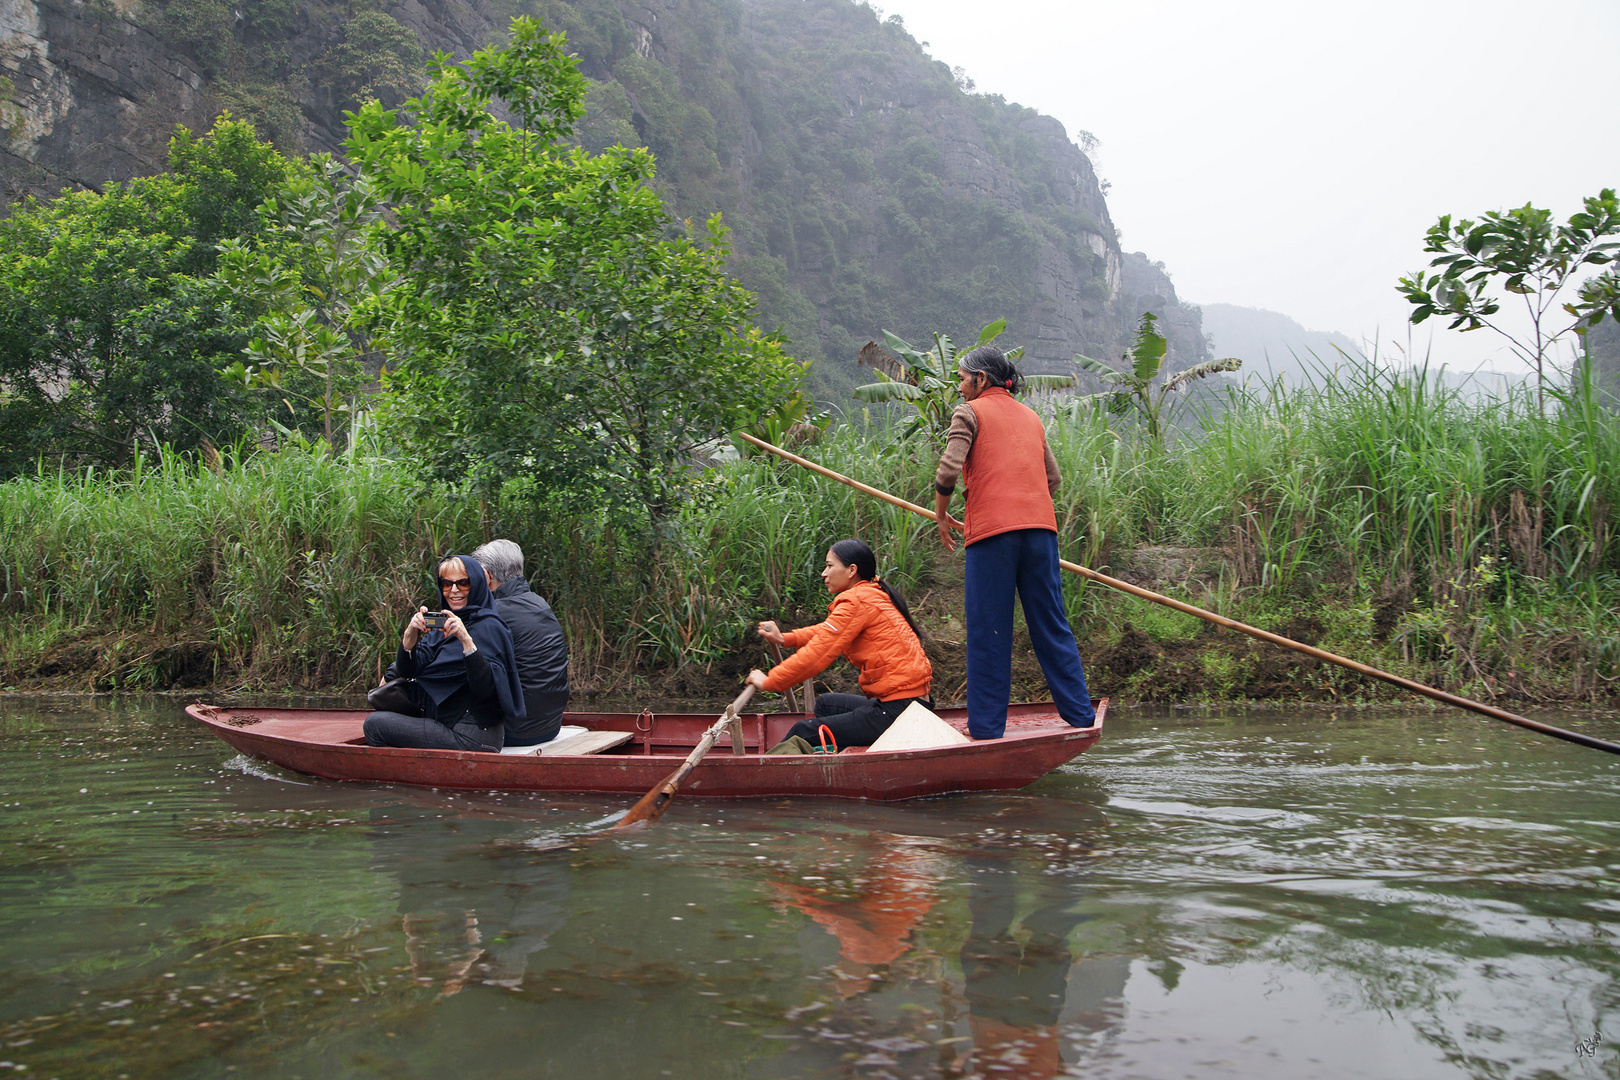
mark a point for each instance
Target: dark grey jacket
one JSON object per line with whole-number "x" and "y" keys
{"x": 542, "y": 662}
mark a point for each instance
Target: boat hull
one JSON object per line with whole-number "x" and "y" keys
{"x": 328, "y": 743}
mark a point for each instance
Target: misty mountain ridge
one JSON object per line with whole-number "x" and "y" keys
{"x": 1275, "y": 346}
{"x": 1271, "y": 344}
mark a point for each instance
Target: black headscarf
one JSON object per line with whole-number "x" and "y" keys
{"x": 447, "y": 671}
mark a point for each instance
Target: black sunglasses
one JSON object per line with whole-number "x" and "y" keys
{"x": 452, "y": 583}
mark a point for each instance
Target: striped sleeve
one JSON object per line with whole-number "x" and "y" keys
{"x": 958, "y": 443}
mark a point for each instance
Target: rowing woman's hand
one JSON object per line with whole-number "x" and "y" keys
{"x": 771, "y": 633}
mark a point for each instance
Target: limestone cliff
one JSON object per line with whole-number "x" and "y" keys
{"x": 89, "y": 96}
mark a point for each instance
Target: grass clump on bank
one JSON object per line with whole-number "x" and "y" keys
{"x": 284, "y": 568}
{"x": 1463, "y": 541}
{"x": 1467, "y": 538}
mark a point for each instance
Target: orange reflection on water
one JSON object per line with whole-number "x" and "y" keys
{"x": 874, "y": 928}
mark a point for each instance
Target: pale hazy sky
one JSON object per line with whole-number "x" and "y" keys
{"x": 1291, "y": 155}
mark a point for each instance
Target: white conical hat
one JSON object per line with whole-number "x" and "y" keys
{"x": 917, "y": 729}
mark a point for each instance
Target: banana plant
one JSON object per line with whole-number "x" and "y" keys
{"x": 794, "y": 420}
{"x": 1135, "y": 390}
{"x": 926, "y": 379}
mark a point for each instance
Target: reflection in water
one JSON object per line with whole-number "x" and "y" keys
{"x": 1016, "y": 981}
{"x": 1273, "y": 896}
{"x": 874, "y": 925}
{"x": 1008, "y": 1011}
{"x": 475, "y": 913}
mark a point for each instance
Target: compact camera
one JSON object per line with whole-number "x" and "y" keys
{"x": 435, "y": 619}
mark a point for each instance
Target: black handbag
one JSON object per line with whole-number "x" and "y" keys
{"x": 396, "y": 696}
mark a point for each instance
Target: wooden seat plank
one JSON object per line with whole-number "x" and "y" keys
{"x": 591, "y": 742}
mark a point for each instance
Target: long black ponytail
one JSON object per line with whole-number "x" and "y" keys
{"x": 858, "y": 553}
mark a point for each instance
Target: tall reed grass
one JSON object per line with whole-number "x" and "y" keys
{"x": 288, "y": 568}
{"x": 1480, "y": 528}
{"x": 1483, "y": 524}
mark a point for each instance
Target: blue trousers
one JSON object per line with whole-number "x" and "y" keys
{"x": 1025, "y": 560}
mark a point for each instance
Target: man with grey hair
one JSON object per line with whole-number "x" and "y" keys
{"x": 537, "y": 643}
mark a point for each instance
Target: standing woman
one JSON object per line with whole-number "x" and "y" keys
{"x": 999, "y": 446}
{"x": 465, "y": 678}
{"x": 867, "y": 621}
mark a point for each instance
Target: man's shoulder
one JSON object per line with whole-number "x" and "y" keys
{"x": 524, "y": 601}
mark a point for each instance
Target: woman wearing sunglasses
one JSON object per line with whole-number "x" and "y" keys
{"x": 463, "y": 682}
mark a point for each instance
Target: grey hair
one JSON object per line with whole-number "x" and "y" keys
{"x": 502, "y": 560}
{"x": 997, "y": 368}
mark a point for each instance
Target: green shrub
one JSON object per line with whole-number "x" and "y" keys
{"x": 377, "y": 57}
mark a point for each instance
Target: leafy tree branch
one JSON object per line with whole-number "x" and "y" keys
{"x": 1525, "y": 254}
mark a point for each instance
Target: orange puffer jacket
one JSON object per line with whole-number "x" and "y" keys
{"x": 864, "y": 625}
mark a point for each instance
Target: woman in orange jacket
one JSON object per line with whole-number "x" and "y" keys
{"x": 869, "y": 623}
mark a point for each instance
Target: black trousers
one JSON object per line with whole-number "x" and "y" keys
{"x": 420, "y": 732}
{"x": 853, "y": 720}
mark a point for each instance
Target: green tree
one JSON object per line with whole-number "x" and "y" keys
{"x": 927, "y": 380}
{"x": 542, "y": 324}
{"x": 1135, "y": 391}
{"x": 1523, "y": 253}
{"x": 313, "y": 279}
{"x": 378, "y": 56}
{"x": 109, "y": 332}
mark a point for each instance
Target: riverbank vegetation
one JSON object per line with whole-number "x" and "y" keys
{"x": 205, "y": 490}
{"x": 1463, "y": 541}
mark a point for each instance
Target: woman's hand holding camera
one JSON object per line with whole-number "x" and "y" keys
{"x": 425, "y": 620}
{"x": 455, "y": 628}
{"x": 414, "y": 629}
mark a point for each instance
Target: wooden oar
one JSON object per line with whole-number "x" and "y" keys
{"x": 1231, "y": 624}
{"x": 652, "y": 805}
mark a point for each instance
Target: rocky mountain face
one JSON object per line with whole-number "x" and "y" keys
{"x": 1602, "y": 348}
{"x": 89, "y": 95}
{"x": 866, "y": 186}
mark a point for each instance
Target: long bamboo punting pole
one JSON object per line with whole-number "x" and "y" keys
{"x": 1231, "y": 624}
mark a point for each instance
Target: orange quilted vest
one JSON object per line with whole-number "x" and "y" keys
{"x": 1006, "y": 469}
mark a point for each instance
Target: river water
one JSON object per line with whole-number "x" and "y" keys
{"x": 1205, "y": 894}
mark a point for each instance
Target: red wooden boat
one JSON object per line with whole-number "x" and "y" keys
{"x": 328, "y": 743}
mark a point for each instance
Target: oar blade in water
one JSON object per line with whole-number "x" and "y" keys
{"x": 651, "y": 806}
